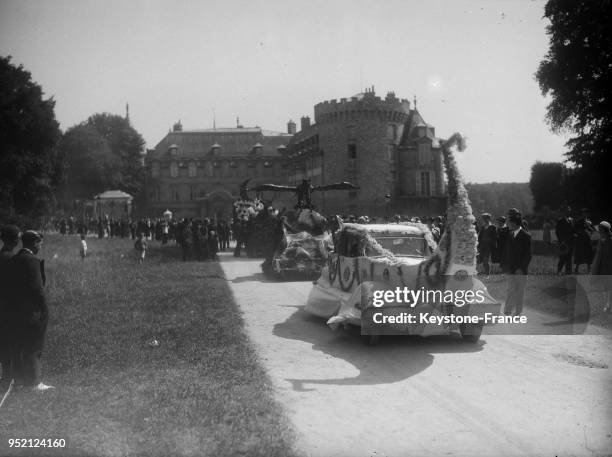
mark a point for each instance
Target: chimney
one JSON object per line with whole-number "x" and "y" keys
{"x": 291, "y": 127}
{"x": 305, "y": 122}
{"x": 177, "y": 127}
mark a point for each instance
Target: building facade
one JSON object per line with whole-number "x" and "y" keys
{"x": 197, "y": 173}
{"x": 381, "y": 145}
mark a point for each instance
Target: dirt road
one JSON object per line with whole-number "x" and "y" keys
{"x": 508, "y": 395}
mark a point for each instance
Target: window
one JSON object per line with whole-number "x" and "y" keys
{"x": 174, "y": 170}
{"x": 192, "y": 170}
{"x": 155, "y": 169}
{"x": 392, "y": 132}
{"x": 424, "y": 154}
{"x": 425, "y": 183}
{"x": 352, "y": 151}
{"x": 192, "y": 192}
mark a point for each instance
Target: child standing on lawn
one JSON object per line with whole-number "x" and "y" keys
{"x": 83, "y": 249}
{"x": 141, "y": 247}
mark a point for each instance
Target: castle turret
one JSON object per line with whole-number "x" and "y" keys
{"x": 291, "y": 127}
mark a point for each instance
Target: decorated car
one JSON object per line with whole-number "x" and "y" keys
{"x": 304, "y": 254}
{"x": 370, "y": 260}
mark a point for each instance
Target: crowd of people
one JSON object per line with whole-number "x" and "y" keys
{"x": 24, "y": 312}
{"x": 508, "y": 243}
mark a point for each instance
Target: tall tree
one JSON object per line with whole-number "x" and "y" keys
{"x": 89, "y": 166}
{"x": 104, "y": 152}
{"x": 28, "y": 136}
{"x": 547, "y": 184}
{"x": 577, "y": 74}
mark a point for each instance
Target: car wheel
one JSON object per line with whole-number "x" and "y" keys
{"x": 470, "y": 332}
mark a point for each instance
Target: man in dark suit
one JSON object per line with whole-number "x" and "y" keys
{"x": 516, "y": 262}
{"x": 31, "y": 313}
{"x": 565, "y": 235}
{"x": 487, "y": 240}
{"x": 10, "y": 239}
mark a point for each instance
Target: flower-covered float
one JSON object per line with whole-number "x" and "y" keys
{"x": 304, "y": 246}
{"x": 302, "y": 240}
{"x": 371, "y": 259}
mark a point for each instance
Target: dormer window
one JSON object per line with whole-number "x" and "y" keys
{"x": 257, "y": 147}
{"x": 215, "y": 149}
{"x": 173, "y": 149}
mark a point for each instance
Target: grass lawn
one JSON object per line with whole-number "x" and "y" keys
{"x": 201, "y": 391}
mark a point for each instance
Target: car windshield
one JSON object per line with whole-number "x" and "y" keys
{"x": 403, "y": 245}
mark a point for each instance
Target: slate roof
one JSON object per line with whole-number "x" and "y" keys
{"x": 231, "y": 142}
{"x": 414, "y": 122}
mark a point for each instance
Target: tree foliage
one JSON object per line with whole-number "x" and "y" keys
{"x": 28, "y": 136}
{"x": 547, "y": 184}
{"x": 577, "y": 74}
{"x": 104, "y": 152}
{"x": 497, "y": 198}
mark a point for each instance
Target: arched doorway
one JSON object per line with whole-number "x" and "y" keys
{"x": 218, "y": 204}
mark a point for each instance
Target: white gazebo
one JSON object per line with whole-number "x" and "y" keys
{"x": 113, "y": 203}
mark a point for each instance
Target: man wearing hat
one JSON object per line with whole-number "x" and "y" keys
{"x": 10, "y": 239}
{"x": 516, "y": 263}
{"x": 31, "y": 313}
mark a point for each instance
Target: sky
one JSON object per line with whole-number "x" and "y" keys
{"x": 470, "y": 63}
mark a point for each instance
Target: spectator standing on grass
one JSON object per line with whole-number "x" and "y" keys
{"x": 10, "y": 239}
{"x": 31, "y": 314}
{"x": 487, "y": 241}
{"x": 501, "y": 238}
{"x": 547, "y": 232}
{"x": 516, "y": 263}
{"x": 141, "y": 247}
{"x": 564, "y": 230}
{"x": 602, "y": 264}
{"x": 83, "y": 249}
{"x": 583, "y": 250}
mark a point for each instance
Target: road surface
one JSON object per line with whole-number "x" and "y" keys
{"x": 519, "y": 395}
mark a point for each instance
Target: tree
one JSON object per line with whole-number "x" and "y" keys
{"x": 28, "y": 136}
{"x": 547, "y": 184}
{"x": 126, "y": 144}
{"x": 89, "y": 166}
{"x": 577, "y": 74}
{"x": 101, "y": 153}
{"x": 497, "y": 198}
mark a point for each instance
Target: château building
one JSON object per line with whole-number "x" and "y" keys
{"x": 382, "y": 145}
{"x": 197, "y": 173}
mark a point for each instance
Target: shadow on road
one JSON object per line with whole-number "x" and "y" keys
{"x": 395, "y": 359}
